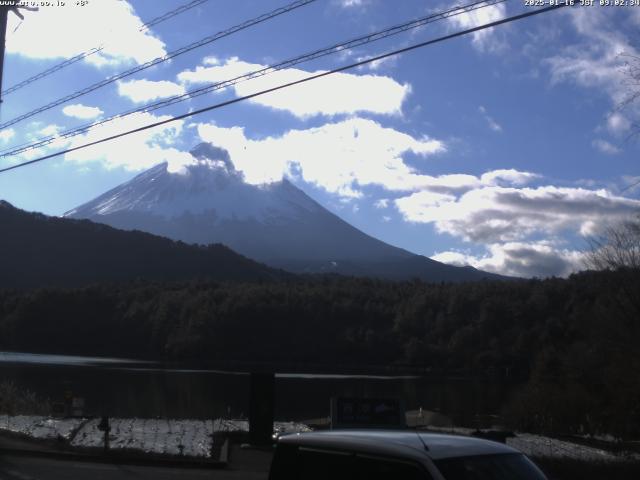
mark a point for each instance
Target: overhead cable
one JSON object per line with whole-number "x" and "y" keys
{"x": 290, "y": 84}
{"x": 335, "y": 48}
{"x": 192, "y": 46}
{"x": 88, "y": 53}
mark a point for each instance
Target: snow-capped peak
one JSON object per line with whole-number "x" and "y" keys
{"x": 210, "y": 185}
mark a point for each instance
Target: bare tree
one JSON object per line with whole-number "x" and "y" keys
{"x": 618, "y": 247}
{"x": 629, "y": 101}
{"x": 631, "y": 87}
{"x": 631, "y": 82}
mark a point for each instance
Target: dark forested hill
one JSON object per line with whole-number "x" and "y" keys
{"x": 37, "y": 250}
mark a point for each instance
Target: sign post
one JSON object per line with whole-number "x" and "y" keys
{"x": 261, "y": 408}
{"x": 104, "y": 426}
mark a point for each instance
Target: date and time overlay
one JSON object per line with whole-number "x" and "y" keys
{"x": 527, "y": 3}
{"x": 582, "y": 3}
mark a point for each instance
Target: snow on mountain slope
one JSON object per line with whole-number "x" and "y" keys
{"x": 276, "y": 223}
{"x": 212, "y": 183}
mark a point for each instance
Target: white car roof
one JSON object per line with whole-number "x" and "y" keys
{"x": 405, "y": 443}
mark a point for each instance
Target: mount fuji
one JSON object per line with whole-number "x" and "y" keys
{"x": 276, "y": 223}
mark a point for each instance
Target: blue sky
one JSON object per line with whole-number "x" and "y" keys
{"x": 502, "y": 149}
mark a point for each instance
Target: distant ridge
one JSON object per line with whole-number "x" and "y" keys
{"x": 37, "y": 251}
{"x": 276, "y": 223}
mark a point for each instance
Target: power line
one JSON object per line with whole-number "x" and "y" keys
{"x": 368, "y": 38}
{"x": 339, "y": 47}
{"x": 172, "y": 13}
{"x": 88, "y": 53}
{"x": 205, "y": 41}
{"x": 290, "y": 84}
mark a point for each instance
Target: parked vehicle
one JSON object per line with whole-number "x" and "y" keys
{"x": 401, "y": 455}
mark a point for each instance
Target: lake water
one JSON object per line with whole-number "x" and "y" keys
{"x": 128, "y": 388}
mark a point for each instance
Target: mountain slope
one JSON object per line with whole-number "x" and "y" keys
{"x": 276, "y": 223}
{"x": 37, "y": 250}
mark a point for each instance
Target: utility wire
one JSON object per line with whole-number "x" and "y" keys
{"x": 290, "y": 84}
{"x": 87, "y": 53}
{"x": 339, "y": 47}
{"x": 205, "y": 41}
{"x": 172, "y": 13}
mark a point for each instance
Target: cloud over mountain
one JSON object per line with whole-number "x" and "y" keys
{"x": 339, "y": 157}
{"x": 134, "y": 152}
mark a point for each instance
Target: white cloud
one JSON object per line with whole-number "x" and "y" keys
{"x": 520, "y": 259}
{"x": 134, "y": 152}
{"x": 483, "y": 40}
{"x": 449, "y": 184}
{"x": 35, "y": 131}
{"x": 600, "y": 62}
{"x": 49, "y": 130}
{"x": 211, "y": 60}
{"x": 493, "y": 125}
{"x": 338, "y": 157}
{"x": 145, "y": 90}
{"x": 340, "y": 93}
{"x": 507, "y": 177}
{"x": 457, "y": 258}
{"x": 607, "y": 62}
{"x": 351, "y": 3}
{"x": 84, "y": 112}
{"x": 618, "y": 124}
{"x": 65, "y": 31}
{"x": 7, "y": 134}
{"x": 344, "y": 156}
{"x": 631, "y": 184}
{"x": 605, "y": 147}
{"x": 387, "y": 62}
{"x": 498, "y": 214}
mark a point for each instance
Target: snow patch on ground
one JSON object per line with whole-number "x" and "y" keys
{"x": 539, "y": 446}
{"x": 191, "y": 438}
{"x": 42, "y": 428}
{"x": 194, "y": 438}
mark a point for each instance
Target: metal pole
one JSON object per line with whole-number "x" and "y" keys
{"x": 261, "y": 407}
{"x": 4, "y": 10}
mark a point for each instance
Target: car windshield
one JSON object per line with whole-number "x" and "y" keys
{"x": 511, "y": 466}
